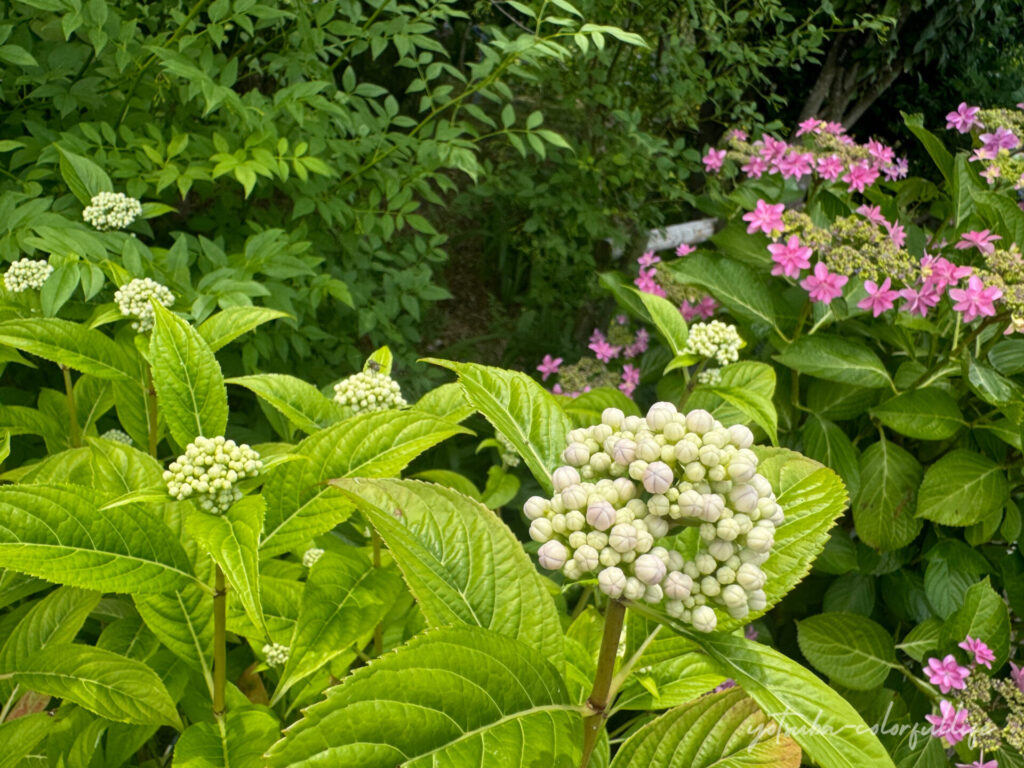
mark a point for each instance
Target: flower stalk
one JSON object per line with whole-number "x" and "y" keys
{"x": 220, "y": 650}
{"x": 600, "y": 695}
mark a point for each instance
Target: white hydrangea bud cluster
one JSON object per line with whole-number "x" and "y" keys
{"x": 369, "y": 391}
{"x": 629, "y": 481}
{"x": 133, "y": 299}
{"x": 716, "y": 341}
{"x": 277, "y": 654}
{"x": 26, "y": 274}
{"x": 509, "y": 455}
{"x": 117, "y": 436}
{"x": 311, "y": 555}
{"x": 209, "y": 470}
{"x": 710, "y": 376}
{"x": 112, "y": 210}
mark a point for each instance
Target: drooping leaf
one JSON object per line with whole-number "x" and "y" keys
{"x": 61, "y": 534}
{"x": 84, "y": 178}
{"x": 460, "y": 561}
{"x": 928, "y": 413}
{"x": 106, "y": 683}
{"x": 883, "y": 511}
{"x": 835, "y": 358}
{"x": 238, "y": 740}
{"x": 852, "y": 650}
{"x": 183, "y": 621}
{"x": 723, "y": 730}
{"x": 72, "y": 345}
{"x": 220, "y": 329}
{"x": 667, "y": 319}
{"x": 298, "y": 401}
{"x": 446, "y": 698}
{"x": 189, "y": 384}
{"x": 300, "y": 506}
{"x": 961, "y": 488}
{"x": 521, "y": 409}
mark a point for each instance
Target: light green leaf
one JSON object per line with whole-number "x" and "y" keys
{"x": 926, "y": 414}
{"x": 962, "y": 488}
{"x": 60, "y": 534}
{"x": 516, "y": 405}
{"x": 723, "y": 730}
{"x": 84, "y": 178}
{"x": 446, "y": 402}
{"x": 298, "y": 401}
{"x": 753, "y": 405}
{"x": 222, "y": 328}
{"x": 22, "y": 736}
{"x": 232, "y": 540}
{"x": 344, "y": 598}
{"x": 453, "y": 480}
{"x": 105, "y": 683}
{"x": 984, "y": 616}
{"x": 446, "y": 698}
{"x": 461, "y": 562}
{"x": 757, "y": 380}
{"x": 839, "y": 402}
{"x": 667, "y": 319}
{"x": 852, "y": 650}
{"x": 189, "y": 384}
{"x": 668, "y": 682}
{"x": 300, "y": 506}
{"x": 587, "y": 408}
{"x": 824, "y": 441}
{"x": 238, "y": 740}
{"x": 835, "y": 358}
{"x": 922, "y": 639}
{"x": 183, "y": 621}
{"x": 883, "y": 511}
{"x": 380, "y": 361}
{"x": 70, "y": 344}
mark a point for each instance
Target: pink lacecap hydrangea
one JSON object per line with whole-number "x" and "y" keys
{"x": 685, "y": 249}
{"x": 897, "y": 234}
{"x": 713, "y": 160}
{"x": 755, "y": 167}
{"x": 604, "y": 351}
{"x": 880, "y": 298}
{"x": 982, "y": 653}
{"x": 975, "y": 300}
{"x": 796, "y": 165}
{"x": 765, "y": 218}
{"x": 963, "y": 118}
{"x": 548, "y": 366}
{"x": 940, "y": 273}
{"x": 981, "y": 239}
{"x": 919, "y": 300}
{"x": 648, "y": 259}
{"x": 790, "y": 257}
{"x": 979, "y": 763}
{"x": 947, "y": 674}
{"x": 829, "y": 168}
{"x": 1001, "y": 138}
{"x": 630, "y": 379}
{"x": 647, "y": 283}
{"x": 810, "y": 125}
{"x": 824, "y": 286}
{"x": 872, "y": 213}
{"x": 860, "y": 175}
{"x": 885, "y": 155}
{"x": 951, "y": 724}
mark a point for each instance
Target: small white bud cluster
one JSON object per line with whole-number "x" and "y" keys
{"x": 133, "y": 299}
{"x": 209, "y": 470}
{"x": 715, "y": 340}
{"x": 117, "y": 436}
{"x": 710, "y": 376}
{"x": 369, "y": 391}
{"x": 509, "y": 455}
{"x": 276, "y": 654}
{"x": 629, "y": 481}
{"x": 26, "y": 274}
{"x": 311, "y": 555}
{"x": 112, "y": 210}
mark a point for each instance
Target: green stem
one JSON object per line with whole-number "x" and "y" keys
{"x": 220, "y": 645}
{"x": 378, "y": 631}
{"x": 152, "y": 415}
{"x": 76, "y": 432}
{"x": 597, "y": 704}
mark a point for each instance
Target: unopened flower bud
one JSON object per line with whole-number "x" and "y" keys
{"x": 760, "y": 540}
{"x": 699, "y": 421}
{"x": 311, "y": 555}
{"x": 612, "y": 417}
{"x": 648, "y": 450}
{"x": 541, "y": 530}
{"x": 709, "y": 586}
{"x": 709, "y": 456}
{"x": 622, "y": 538}
{"x": 601, "y": 515}
{"x": 649, "y": 569}
{"x": 654, "y": 594}
{"x": 757, "y": 600}
{"x": 564, "y": 477}
{"x": 612, "y": 582}
{"x": 535, "y": 507}
{"x": 576, "y": 455}
{"x": 725, "y": 575}
{"x": 721, "y": 550}
{"x": 610, "y": 557}
{"x": 276, "y": 654}
{"x": 634, "y": 589}
{"x": 577, "y": 539}
{"x": 600, "y": 462}
{"x": 624, "y": 452}
{"x": 658, "y": 477}
{"x": 657, "y": 526}
{"x": 677, "y": 585}
{"x": 574, "y": 497}
{"x": 733, "y": 596}
{"x": 552, "y": 555}
{"x": 750, "y": 577}
{"x": 659, "y": 415}
{"x": 626, "y": 488}
{"x": 704, "y": 619}
{"x": 694, "y": 472}
{"x": 574, "y": 520}
{"x": 587, "y": 558}
{"x": 740, "y": 436}
{"x": 597, "y": 540}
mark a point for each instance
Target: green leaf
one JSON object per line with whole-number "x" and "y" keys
{"x": 22, "y": 736}
{"x": 84, "y": 178}
{"x": 835, "y": 358}
{"x": 884, "y": 510}
{"x": 667, "y": 319}
{"x": 461, "y": 562}
{"x": 852, "y": 650}
{"x": 756, "y": 380}
{"x": 824, "y": 441}
{"x": 1007, "y": 357}
{"x": 961, "y": 488}
{"x": 839, "y": 402}
{"x": 221, "y": 329}
{"x": 446, "y": 402}
{"x": 105, "y": 683}
{"x": 739, "y": 288}
{"x": 232, "y": 540}
{"x": 300, "y": 506}
{"x": 237, "y": 740}
{"x": 344, "y": 598}
{"x": 60, "y": 534}
{"x": 953, "y": 567}
{"x": 586, "y": 409}
{"x": 667, "y": 682}
{"x": 938, "y": 152}
{"x": 58, "y": 288}
{"x": 189, "y": 384}
{"x": 469, "y": 693}
{"x": 183, "y": 621}
{"x": 622, "y": 293}
{"x": 756, "y": 407}
{"x": 724, "y": 729}
{"x": 922, "y": 639}
{"x": 298, "y": 401}
{"x": 380, "y": 361}
{"x": 984, "y": 616}
{"x": 72, "y": 345}
{"x": 925, "y": 414}
{"x": 521, "y": 409}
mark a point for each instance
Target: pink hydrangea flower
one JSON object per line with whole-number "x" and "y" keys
{"x": 824, "y": 286}
{"x": 882, "y": 153}
{"x": 621, "y": 319}
{"x": 872, "y": 213}
{"x": 604, "y": 351}
{"x": 836, "y": 129}
{"x": 685, "y": 249}
{"x": 980, "y": 239}
{"x": 647, "y": 283}
{"x": 596, "y": 336}
{"x": 706, "y": 307}
{"x": 919, "y": 301}
{"x": 796, "y": 165}
{"x": 790, "y": 257}
{"x": 1001, "y": 139}
{"x": 630, "y": 379}
{"x": 755, "y": 167}
{"x": 810, "y": 125}
{"x": 946, "y": 674}
{"x": 979, "y": 763}
{"x": 951, "y": 724}
{"x": 1017, "y": 675}
{"x": 713, "y": 160}
{"x": 991, "y": 173}
{"x": 963, "y": 118}
{"x": 738, "y": 135}
{"x": 773, "y": 149}
{"x": 879, "y": 299}
{"x": 982, "y": 653}
{"x": 940, "y": 273}
{"x": 897, "y": 234}
{"x": 860, "y": 176}
{"x": 639, "y": 345}
{"x": 548, "y": 366}
{"x": 648, "y": 259}
{"x": 766, "y": 218}
{"x": 981, "y": 154}
{"x": 830, "y": 167}
{"x": 689, "y": 311}
{"x": 975, "y": 300}
{"x": 898, "y": 170}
